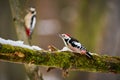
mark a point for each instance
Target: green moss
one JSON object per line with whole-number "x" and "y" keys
{"x": 64, "y": 60}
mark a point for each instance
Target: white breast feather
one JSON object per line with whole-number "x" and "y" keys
{"x": 27, "y": 20}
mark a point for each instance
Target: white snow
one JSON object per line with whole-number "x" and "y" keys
{"x": 65, "y": 49}
{"x": 18, "y": 43}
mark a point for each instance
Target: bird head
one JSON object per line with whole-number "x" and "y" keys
{"x": 32, "y": 10}
{"x": 64, "y": 36}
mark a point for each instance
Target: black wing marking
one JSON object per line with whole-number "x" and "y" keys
{"x": 32, "y": 24}
{"x": 73, "y": 39}
{"x": 89, "y": 55}
{"x": 76, "y": 43}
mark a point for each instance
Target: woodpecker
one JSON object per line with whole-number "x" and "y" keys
{"x": 74, "y": 45}
{"x": 30, "y": 21}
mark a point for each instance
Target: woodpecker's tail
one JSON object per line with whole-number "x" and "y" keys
{"x": 89, "y": 55}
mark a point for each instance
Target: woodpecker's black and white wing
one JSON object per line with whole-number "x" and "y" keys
{"x": 33, "y": 22}
{"x": 76, "y": 44}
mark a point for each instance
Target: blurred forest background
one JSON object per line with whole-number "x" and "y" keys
{"x": 95, "y": 23}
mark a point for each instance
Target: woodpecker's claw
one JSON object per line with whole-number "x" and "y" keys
{"x": 82, "y": 52}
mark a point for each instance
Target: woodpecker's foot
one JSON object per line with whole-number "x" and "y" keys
{"x": 83, "y": 52}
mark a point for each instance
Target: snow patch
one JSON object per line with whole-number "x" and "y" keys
{"x": 65, "y": 49}
{"x": 18, "y": 43}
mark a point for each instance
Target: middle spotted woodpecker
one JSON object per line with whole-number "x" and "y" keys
{"x": 30, "y": 21}
{"x": 74, "y": 45}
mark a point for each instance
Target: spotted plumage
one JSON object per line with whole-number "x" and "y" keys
{"x": 74, "y": 45}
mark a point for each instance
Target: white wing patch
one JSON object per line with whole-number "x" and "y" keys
{"x": 77, "y": 43}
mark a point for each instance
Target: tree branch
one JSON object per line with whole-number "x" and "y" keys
{"x": 63, "y": 60}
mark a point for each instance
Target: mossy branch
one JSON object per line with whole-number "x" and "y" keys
{"x": 63, "y": 60}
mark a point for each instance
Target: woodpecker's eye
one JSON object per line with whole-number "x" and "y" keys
{"x": 63, "y": 35}
{"x": 32, "y": 12}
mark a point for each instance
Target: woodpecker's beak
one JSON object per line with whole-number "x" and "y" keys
{"x": 60, "y": 35}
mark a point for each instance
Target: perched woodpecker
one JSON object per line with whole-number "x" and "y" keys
{"x": 74, "y": 45}
{"x": 30, "y": 21}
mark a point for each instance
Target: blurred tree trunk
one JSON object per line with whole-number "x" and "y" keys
{"x": 89, "y": 26}
{"x": 17, "y": 9}
{"x": 91, "y": 17}
{"x": 18, "y": 12}
{"x": 111, "y": 35}
{"x": 7, "y": 31}
{"x": 105, "y": 36}
{"x": 110, "y": 43}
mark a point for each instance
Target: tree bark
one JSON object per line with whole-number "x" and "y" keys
{"x": 17, "y": 14}
{"x": 63, "y": 60}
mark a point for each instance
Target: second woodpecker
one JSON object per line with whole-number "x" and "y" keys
{"x": 30, "y": 21}
{"x": 74, "y": 45}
